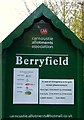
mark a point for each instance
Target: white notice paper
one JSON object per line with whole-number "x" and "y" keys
{"x": 56, "y": 91}
{"x": 25, "y": 86}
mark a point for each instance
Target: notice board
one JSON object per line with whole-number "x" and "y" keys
{"x": 42, "y": 69}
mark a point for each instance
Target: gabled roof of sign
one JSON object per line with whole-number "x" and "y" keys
{"x": 43, "y": 10}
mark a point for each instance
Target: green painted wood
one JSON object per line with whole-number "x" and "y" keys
{"x": 0, "y": 81}
{"x": 63, "y": 46}
{"x": 43, "y": 10}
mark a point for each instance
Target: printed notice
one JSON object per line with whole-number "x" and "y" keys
{"x": 25, "y": 86}
{"x": 56, "y": 91}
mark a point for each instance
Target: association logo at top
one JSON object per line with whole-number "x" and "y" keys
{"x": 43, "y": 31}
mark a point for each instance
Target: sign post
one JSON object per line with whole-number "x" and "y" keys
{"x": 42, "y": 69}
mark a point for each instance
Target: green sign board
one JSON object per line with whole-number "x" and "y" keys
{"x": 42, "y": 69}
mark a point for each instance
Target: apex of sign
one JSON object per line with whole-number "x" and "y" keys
{"x": 42, "y": 6}
{"x": 43, "y": 10}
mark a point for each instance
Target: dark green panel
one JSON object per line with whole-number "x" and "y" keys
{"x": 62, "y": 61}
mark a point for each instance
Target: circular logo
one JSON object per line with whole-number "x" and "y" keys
{"x": 44, "y": 31}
